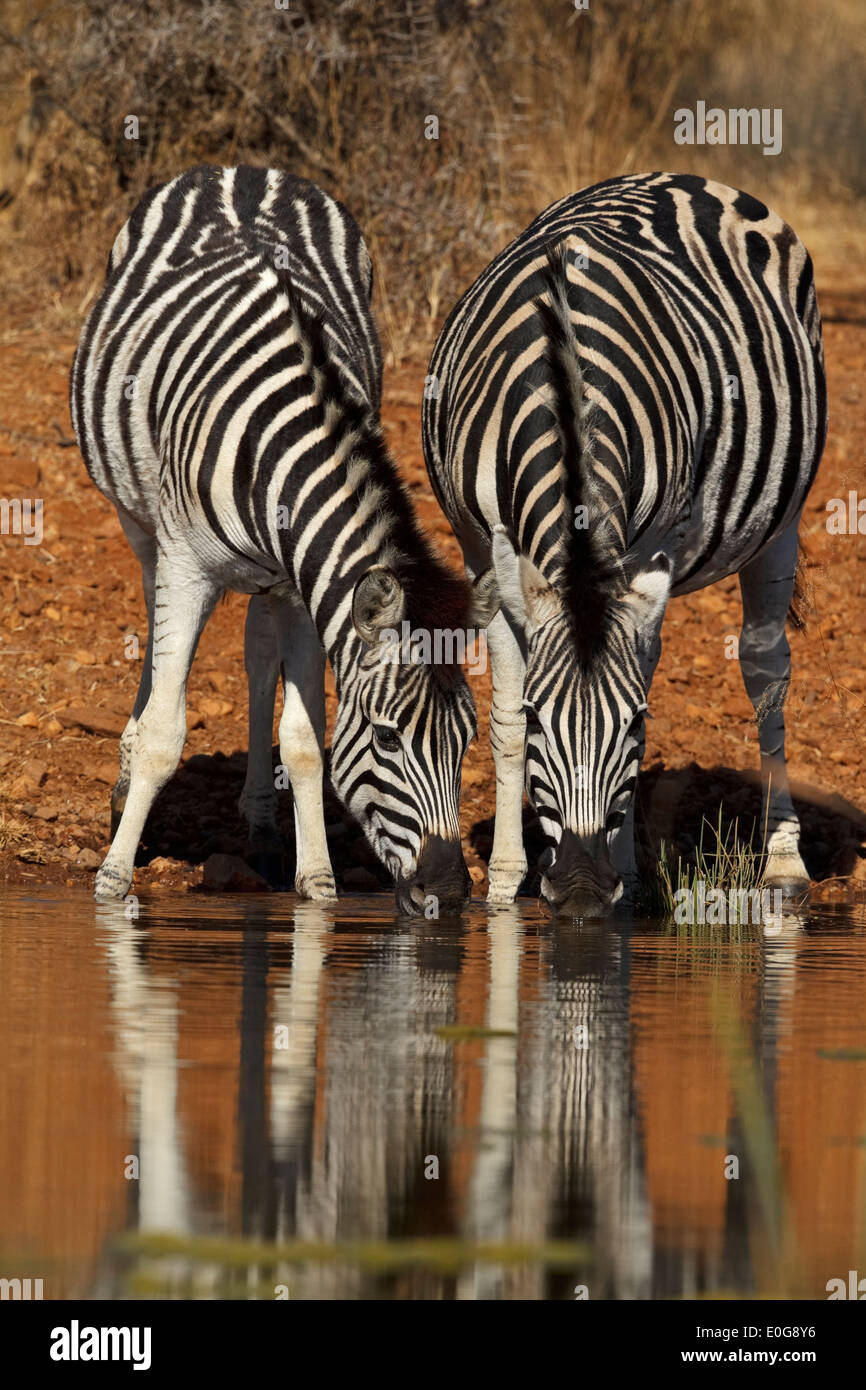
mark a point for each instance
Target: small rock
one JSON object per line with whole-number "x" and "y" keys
{"x": 34, "y": 771}
{"x": 88, "y": 859}
{"x": 107, "y": 773}
{"x": 194, "y": 720}
{"x": 28, "y": 720}
{"x": 54, "y": 727}
{"x": 95, "y": 721}
{"x": 215, "y": 709}
{"x": 84, "y": 657}
{"x": 361, "y": 880}
{"x": 477, "y": 873}
{"x": 52, "y": 613}
{"x": 160, "y": 864}
{"x": 46, "y": 811}
{"x": 22, "y": 786}
{"x": 225, "y": 873}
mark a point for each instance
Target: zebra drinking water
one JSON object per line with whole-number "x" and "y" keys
{"x": 629, "y": 403}
{"x": 225, "y": 395}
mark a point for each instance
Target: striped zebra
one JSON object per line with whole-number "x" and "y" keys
{"x": 225, "y": 395}
{"x": 629, "y": 403}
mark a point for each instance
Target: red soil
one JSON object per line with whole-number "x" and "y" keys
{"x": 68, "y": 604}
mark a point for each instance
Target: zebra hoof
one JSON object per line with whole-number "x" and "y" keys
{"x": 789, "y": 887}
{"x": 504, "y": 885}
{"x": 110, "y": 885}
{"x": 786, "y": 874}
{"x": 317, "y": 887}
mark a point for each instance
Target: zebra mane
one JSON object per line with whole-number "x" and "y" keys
{"x": 592, "y": 575}
{"x": 436, "y": 597}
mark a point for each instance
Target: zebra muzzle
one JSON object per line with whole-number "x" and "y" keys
{"x": 578, "y": 877}
{"x": 441, "y": 882}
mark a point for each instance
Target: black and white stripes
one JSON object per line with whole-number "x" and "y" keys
{"x": 225, "y": 395}
{"x": 630, "y": 402}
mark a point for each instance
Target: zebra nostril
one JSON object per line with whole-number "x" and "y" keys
{"x": 546, "y": 858}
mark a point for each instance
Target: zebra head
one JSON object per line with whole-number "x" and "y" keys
{"x": 405, "y": 720}
{"x": 585, "y": 693}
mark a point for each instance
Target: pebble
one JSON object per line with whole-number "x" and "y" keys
{"x": 215, "y": 709}
{"x": 161, "y": 864}
{"x": 95, "y": 721}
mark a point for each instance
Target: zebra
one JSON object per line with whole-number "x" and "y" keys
{"x": 628, "y": 403}
{"x": 225, "y": 395}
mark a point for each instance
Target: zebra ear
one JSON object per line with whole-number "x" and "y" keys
{"x": 377, "y": 603}
{"x": 648, "y": 596}
{"x": 484, "y": 603}
{"x": 523, "y": 589}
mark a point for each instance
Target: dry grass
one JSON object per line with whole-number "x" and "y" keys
{"x": 533, "y": 101}
{"x": 17, "y": 838}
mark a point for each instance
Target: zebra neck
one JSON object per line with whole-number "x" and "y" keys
{"x": 357, "y": 518}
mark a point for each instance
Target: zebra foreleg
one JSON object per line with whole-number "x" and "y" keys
{"x": 258, "y": 800}
{"x": 508, "y": 741}
{"x": 302, "y": 742}
{"x": 144, "y": 546}
{"x": 622, "y": 845}
{"x": 767, "y": 584}
{"x": 183, "y": 602}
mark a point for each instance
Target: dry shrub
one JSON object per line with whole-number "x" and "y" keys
{"x": 533, "y": 100}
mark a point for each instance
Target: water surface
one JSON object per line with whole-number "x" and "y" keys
{"x": 260, "y": 1097}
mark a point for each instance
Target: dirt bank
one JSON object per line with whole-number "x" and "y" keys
{"x": 67, "y": 679}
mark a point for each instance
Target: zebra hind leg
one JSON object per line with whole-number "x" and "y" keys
{"x": 144, "y": 546}
{"x": 183, "y": 602}
{"x": 767, "y": 584}
{"x": 302, "y": 742}
{"x": 258, "y": 800}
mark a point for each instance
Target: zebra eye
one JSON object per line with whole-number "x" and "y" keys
{"x": 387, "y": 738}
{"x": 636, "y": 724}
{"x": 533, "y": 722}
{"x": 614, "y": 821}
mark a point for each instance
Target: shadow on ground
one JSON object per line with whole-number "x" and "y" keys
{"x": 196, "y": 815}
{"x": 672, "y": 806}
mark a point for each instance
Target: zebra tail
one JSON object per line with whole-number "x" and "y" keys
{"x": 801, "y": 599}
